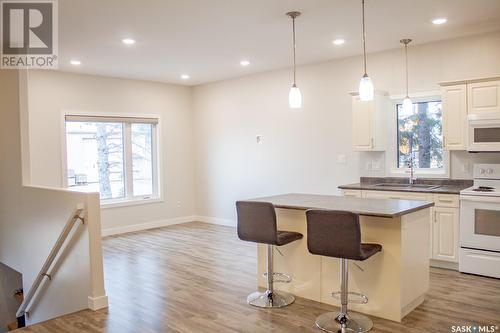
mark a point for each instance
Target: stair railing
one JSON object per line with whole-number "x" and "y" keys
{"x": 46, "y": 271}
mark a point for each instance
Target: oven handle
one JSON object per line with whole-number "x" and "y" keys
{"x": 479, "y": 198}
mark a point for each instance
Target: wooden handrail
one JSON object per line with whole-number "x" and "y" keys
{"x": 45, "y": 272}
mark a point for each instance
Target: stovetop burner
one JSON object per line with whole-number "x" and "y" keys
{"x": 484, "y": 189}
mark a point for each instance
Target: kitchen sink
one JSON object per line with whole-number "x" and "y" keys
{"x": 422, "y": 186}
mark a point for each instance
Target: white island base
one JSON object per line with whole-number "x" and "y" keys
{"x": 395, "y": 280}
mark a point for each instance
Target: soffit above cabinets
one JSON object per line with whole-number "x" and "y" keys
{"x": 467, "y": 81}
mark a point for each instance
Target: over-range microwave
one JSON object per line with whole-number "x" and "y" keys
{"x": 484, "y": 132}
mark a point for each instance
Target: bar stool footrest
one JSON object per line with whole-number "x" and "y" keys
{"x": 356, "y": 298}
{"x": 280, "y": 277}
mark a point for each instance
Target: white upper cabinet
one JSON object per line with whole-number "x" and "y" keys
{"x": 454, "y": 100}
{"x": 369, "y": 122}
{"x": 462, "y": 98}
{"x": 483, "y": 97}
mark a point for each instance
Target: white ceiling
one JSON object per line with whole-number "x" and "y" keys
{"x": 207, "y": 38}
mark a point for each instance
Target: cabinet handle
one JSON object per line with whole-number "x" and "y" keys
{"x": 444, "y": 141}
{"x": 372, "y": 144}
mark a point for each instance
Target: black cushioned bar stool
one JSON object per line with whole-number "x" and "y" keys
{"x": 338, "y": 234}
{"x": 257, "y": 223}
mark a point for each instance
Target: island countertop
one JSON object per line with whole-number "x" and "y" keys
{"x": 362, "y": 206}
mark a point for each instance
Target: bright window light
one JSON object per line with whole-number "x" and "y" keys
{"x": 116, "y": 158}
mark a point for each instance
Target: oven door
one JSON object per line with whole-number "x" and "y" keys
{"x": 484, "y": 132}
{"x": 480, "y": 222}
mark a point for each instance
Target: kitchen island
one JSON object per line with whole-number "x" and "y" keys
{"x": 395, "y": 280}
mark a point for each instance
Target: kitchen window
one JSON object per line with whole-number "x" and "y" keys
{"x": 419, "y": 137}
{"x": 115, "y": 156}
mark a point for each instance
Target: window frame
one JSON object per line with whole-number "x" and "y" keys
{"x": 129, "y": 199}
{"x": 392, "y": 154}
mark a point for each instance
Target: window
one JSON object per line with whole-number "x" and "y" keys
{"x": 420, "y": 136}
{"x": 115, "y": 156}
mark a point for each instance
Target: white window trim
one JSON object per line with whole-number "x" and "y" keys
{"x": 158, "y": 187}
{"x": 391, "y": 155}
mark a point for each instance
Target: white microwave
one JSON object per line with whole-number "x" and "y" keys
{"x": 484, "y": 132}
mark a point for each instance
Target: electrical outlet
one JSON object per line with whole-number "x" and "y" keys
{"x": 342, "y": 159}
{"x": 179, "y": 204}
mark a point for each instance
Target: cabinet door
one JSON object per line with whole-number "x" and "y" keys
{"x": 454, "y": 117}
{"x": 445, "y": 234}
{"x": 362, "y": 117}
{"x": 483, "y": 97}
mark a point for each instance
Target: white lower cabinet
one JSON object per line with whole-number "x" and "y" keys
{"x": 444, "y": 220}
{"x": 445, "y": 233}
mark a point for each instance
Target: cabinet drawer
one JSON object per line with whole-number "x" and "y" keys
{"x": 447, "y": 200}
{"x": 351, "y": 193}
{"x": 397, "y": 195}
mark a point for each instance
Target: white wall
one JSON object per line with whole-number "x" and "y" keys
{"x": 51, "y": 92}
{"x": 300, "y": 148}
{"x": 32, "y": 218}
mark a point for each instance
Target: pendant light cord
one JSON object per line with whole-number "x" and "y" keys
{"x": 406, "y": 56}
{"x": 294, "y": 46}
{"x": 364, "y": 34}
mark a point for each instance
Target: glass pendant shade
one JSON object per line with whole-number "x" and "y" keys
{"x": 407, "y": 106}
{"x": 366, "y": 89}
{"x": 295, "y": 98}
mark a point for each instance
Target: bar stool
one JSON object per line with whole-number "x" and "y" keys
{"x": 257, "y": 223}
{"x": 338, "y": 234}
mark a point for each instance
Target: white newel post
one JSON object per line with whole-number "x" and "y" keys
{"x": 98, "y": 298}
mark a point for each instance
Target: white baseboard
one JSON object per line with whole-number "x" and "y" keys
{"x": 97, "y": 303}
{"x": 147, "y": 225}
{"x": 215, "y": 220}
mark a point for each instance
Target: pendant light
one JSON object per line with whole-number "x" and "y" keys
{"x": 407, "y": 103}
{"x": 366, "y": 89}
{"x": 294, "y": 96}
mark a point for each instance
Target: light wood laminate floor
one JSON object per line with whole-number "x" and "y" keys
{"x": 195, "y": 277}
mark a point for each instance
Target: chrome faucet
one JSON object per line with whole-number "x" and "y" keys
{"x": 411, "y": 165}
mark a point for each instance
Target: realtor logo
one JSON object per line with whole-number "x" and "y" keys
{"x": 28, "y": 34}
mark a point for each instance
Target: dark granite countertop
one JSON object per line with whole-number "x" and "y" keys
{"x": 443, "y": 186}
{"x": 361, "y": 206}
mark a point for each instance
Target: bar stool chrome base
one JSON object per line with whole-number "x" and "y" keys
{"x": 268, "y": 299}
{"x": 329, "y": 322}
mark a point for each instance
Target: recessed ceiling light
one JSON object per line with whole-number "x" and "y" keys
{"x": 440, "y": 20}
{"x": 75, "y": 62}
{"x": 185, "y": 76}
{"x": 339, "y": 41}
{"x": 128, "y": 41}
{"x": 244, "y": 63}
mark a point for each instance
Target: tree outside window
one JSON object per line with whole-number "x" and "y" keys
{"x": 116, "y": 159}
{"x": 420, "y": 135}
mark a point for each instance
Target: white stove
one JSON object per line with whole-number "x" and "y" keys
{"x": 480, "y": 223}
